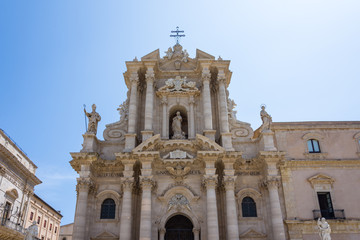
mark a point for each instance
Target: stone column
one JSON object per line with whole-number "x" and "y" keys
{"x": 207, "y": 110}
{"x": 145, "y": 219}
{"x": 130, "y": 136}
{"x": 210, "y": 182}
{"x": 231, "y": 213}
{"x": 224, "y": 117}
{"x": 164, "y": 133}
{"x": 191, "y": 118}
{"x": 196, "y": 233}
{"x": 275, "y": 207}
{"x": 125, "y": 218}
{"x": 149, "y": 103}
{"x": 83, "y": 186}
{"x": 162, "y": 232}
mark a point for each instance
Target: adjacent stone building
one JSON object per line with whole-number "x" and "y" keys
{"x": 46, "y": 217}
{"x": 17, "y": 182}
{"x": 179, "y": 165}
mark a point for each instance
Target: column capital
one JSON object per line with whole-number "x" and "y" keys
{"x": 164, "y": 100}
{"x": 272, "y": 182}
{"x": 83, "y": 184}
{"x": 146, "y": 182}
{"x": 221, "y": 77}
{"x": 191, "y": 99}
{"x": 127, "y": 183}
{"x": 162, "y": 230}
{"x": 206, "y": 75}
{"x": 196, "y": 231}
{"x": 210, "y": 181}
{"x": 229, "y": 182}
{"x": 150, "y": 75}
{"x": 134, "y": 78}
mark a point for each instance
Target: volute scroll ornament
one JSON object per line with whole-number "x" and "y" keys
{"x": 237, "y": 128}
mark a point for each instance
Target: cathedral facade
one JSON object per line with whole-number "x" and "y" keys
{"x": 179, "y": 165}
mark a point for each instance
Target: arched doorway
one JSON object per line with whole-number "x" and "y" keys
{"x": 179, "y": 227}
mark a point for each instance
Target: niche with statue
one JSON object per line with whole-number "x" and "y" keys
{"x": 178, "y": 123}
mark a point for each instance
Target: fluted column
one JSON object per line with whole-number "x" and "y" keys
{"x": 210, "y": 182}
{"x": 164, "y": 133}
{"x": 196, "y": 233}
{"x": 130, "y": 136}
{"x": 191, "y": 118}
{"x": 207, "y": 99}
{"x": 149, "y": 104}
{"x": 83, "y": 186}
{"x": 224, "y": 121}
{"x": 275, "y": 208}
{"x": 207, "y": 110}
{"x": 125, "y": 218}
{"x": 134, "y": 79}
{"x": 231, "y": 213}
{"x": 145, "y": 221}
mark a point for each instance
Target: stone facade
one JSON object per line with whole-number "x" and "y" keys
{"x": 213, "y": 177}
{"x": 17, "y": 181}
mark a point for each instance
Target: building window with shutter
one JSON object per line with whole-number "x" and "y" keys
{"x": 326, "y": 206}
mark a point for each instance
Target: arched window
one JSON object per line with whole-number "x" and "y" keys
{"x": 313, "y": 146}
{"x": 108, "y": 209}
{"x": 248, "y": 207}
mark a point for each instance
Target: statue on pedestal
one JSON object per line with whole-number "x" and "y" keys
{"x": 32, "y": 232}
{"x": 94, "y": 118}
{"x": 266, "y": 119}
{"x": 176, "y": 127}
{"x": 324, "y": 229}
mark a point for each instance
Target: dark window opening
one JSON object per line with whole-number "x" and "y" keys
{"x": 179, "y": 227}
{"x": 325, "y": 203}
{"x": 6, "y": 214}
{"x": 313, "y": 146}
{"x": 248, "y": 207}
{"x": 108, "y": 209}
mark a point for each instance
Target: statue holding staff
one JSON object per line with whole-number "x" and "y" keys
{"x": 94, "y": 118}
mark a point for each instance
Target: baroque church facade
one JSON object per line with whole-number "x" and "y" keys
{"x": 179, "y": 165}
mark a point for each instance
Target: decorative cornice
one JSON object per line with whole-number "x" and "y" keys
{"x": 321, "y": 179}
{"x": 82, "y": 158}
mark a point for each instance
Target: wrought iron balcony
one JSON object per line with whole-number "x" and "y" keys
{"x": 334, "y": 214}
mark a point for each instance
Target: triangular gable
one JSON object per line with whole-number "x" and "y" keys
{"x": 105, "y": 236}
{"x": 251, "y": 233}
{"x": 148, "y": 144}
{"x": 208, "y": 143}
{"x": 154, "y": 55}
{"x": 203, "y": 55}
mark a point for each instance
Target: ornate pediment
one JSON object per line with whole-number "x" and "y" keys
{"x": 321, "y": 179}
{"x": 252, "y": 234}
{"x": 203, "y": 55}
{"x": 178, "y": 85}
{"x": 105, "y": 236}
{"x": 154, "y": 55}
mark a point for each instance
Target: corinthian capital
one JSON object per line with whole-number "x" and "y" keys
{"x": 134, "y": 78}
{"x": 83, "y": 184}
{"x": 147, "y": 182}
{"x": 229, "y": 182}
{"x": 272, "y": 182}
{"x": 150, "y": 75}
{"x": 210, "y": 181}
{"x": 127, "y": 183}
{"x": 206, "y": 74}
{"x": 221, "y": 77}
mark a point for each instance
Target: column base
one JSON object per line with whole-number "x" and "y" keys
{"x": 267, "y": 140}
{"x": 130, "y": 142}
{"x": 146, "y": 134}
{"x": 210, "y": 134}
{"x": 226, "y": 141}
{"x": 90, "y": 143}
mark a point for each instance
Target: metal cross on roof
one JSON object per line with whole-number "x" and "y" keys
{"x": 177, "y": 36}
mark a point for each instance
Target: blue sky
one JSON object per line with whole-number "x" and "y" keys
{"x": 301, "y": 58}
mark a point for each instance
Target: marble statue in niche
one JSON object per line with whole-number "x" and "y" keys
{"x": 176, "y": 127}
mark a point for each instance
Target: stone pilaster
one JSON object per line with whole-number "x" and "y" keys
{"x": 83, "y": 187}
{"x": 130, "y": 137}
{"x": 145, "y": 221}
{"x": 275, "y": 209}
{"x": 207, "y": 110}
{"x": 164, "y": 133}
{"x": 191, "y": 118}
{"x": 125, "y": 218}
{"x": 196, "y": 233}
{"x": 210, "y": 182}
{"x": 162, "y": 232}
{"x": 149, "y": 104}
